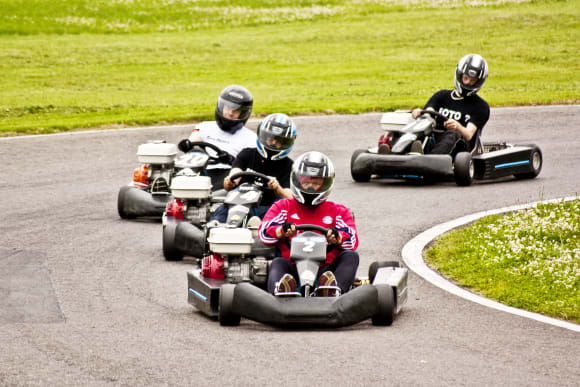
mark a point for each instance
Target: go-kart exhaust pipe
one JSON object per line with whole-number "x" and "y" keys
{"x": 256, "y": 304}
{"x": 190, "y": 239}
{"x": 134, "y": 202}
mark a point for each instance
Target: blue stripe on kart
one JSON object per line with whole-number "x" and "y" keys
{"x": 198, "y": 294}
{"x": 512, "y": 164}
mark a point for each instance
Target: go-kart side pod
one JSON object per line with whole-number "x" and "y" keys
{"x": 189, "y": 239}
{"x": 367, "y": 164}
{"x": 133, "y": 202}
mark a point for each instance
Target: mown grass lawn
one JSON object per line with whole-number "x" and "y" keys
{"x": 528, "y": 259}
{"x": 69, "y": 64}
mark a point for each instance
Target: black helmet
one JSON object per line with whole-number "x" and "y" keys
{"x": 312, "y": 178}
{"x": 474, "y": 66}
{"x": 235, "y": 100}
{"x": 276, "y": 136}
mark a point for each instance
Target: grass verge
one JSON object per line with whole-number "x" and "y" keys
{"x": 528, "y": 259}
{"x": 69, "y": 64}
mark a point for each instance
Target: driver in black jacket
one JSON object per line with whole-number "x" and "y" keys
{"x": 467, "y": 112}
{"x": 276, "y": 137}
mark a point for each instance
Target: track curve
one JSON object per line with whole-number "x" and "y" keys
{"x": 102, "y": 307}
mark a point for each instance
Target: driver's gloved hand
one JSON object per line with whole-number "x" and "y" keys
{"x": 287, "y": 226}
{"x": 226, "y": 158}
{"x": 334, "y": 232}
{"x": 333, "y": 236}
{"x": 184, "y": 145}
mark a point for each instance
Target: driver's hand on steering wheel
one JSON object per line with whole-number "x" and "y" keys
{"x": 333, "y": 237}
{"x": 416, "y": 113}
{"x": 274, "y": 185}
{"x": 230, "y": 184}
{"x": 286, "y": 230}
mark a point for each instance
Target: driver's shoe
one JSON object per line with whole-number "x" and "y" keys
{"x": 287, "y": 286}
{"x": 254, "y": 222}
{"x": 416, "y": 148}
{"x": 327, "y": 285}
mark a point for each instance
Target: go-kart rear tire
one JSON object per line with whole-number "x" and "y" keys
{"x": 226, "y": 315}
{"x": 536, "y": 161}
{"x": 121, "y": 199}
{"x": 463, "y": 169}
{"x": 385, "y": 311}
{"x": 170, "y": 252}
{"x": 358, "y": 177}
{"x": 375, "y": 266}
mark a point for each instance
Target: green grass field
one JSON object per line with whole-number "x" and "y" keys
{"x": 528, "y": 259}
{"x": 82, "y": 64}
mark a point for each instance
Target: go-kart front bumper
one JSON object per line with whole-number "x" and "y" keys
{"x": 403, "y": 165}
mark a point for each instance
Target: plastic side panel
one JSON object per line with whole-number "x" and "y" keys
{"x": 140, "y": 203}
{"x": 425, "y": 165}
{"x": 395, "y": 277}
{"x": 203, "y": 293}
{"x": 502, "y": 163}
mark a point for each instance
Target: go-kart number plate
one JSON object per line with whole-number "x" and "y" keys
{"x": 311, "y": 246}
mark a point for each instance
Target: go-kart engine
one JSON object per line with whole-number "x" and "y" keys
{"x": 242, "y": 269}
{"x": 197, "y": 213}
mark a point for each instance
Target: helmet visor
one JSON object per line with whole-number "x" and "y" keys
{"x": 233, "y": 111}
{"x": 311, "y": 184}
{"x": 276, "y": 138}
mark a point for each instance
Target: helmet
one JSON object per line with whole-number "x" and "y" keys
{"x": 474, "y": 66}
{"x": 233, "y": 108}
{"x": 276, "y": 136}
{"x": 312, "y": 178}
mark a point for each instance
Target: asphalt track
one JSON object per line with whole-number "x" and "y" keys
{"x": 87, "y": 298}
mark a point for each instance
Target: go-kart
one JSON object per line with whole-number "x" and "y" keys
{"x": 379, "y": 298}
{"x": 189, "y": 238}
{"x": 148, "y": 194}
{"x": 485, "y": 161}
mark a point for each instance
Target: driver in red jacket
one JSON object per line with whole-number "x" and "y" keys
{"x": 311, "y": 182}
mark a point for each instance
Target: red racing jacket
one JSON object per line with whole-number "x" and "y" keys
{"x": 327, "y": 215}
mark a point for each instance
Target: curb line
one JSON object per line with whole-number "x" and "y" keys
{"x": 413, "y": 257}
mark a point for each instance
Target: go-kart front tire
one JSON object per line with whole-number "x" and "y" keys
{"x": 359, "y": 177}
{"x": 226, "y": 314}
{"x": 385, "y": 311}
{"x": 170, "y": 252}
{"x": 121, "y": 202}
{"x": 463, "y": 169}
{"x": 536, "y": 161}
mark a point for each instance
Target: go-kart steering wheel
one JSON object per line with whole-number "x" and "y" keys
{"x": 434, "y": 113}
{"x": 312, "y": 227}
{"x": 203, "y": 146}
{"x": 265, "y": 179}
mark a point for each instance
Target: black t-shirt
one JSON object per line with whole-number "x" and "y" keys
{"x": 463, "y": 109}
{"x": 250, "y": 159}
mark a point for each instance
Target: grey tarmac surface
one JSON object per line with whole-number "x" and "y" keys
{"x": 101, "y": 306}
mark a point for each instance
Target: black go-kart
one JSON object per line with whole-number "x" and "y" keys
{"x": 380, "y": 297}
{"x": 149, "y": 193}
{"x": 485, "y": 161}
